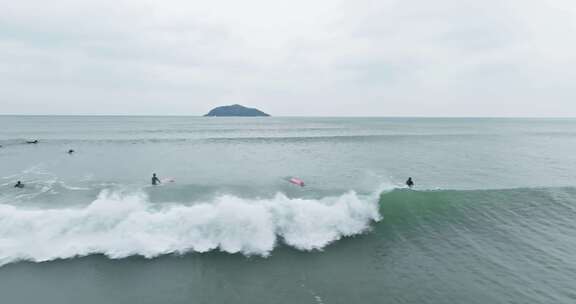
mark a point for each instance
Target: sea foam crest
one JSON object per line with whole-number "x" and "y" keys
{"x": 119, "y": 225}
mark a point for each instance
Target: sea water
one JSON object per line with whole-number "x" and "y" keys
{"x": 490, "y": 220}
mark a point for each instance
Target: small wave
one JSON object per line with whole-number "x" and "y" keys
{"x": 272, "y": 138}
{"x": 119, "y": 225}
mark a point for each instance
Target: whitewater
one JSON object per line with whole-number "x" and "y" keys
{"x": 119, "y": 225}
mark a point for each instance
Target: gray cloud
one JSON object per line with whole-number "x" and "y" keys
{"x": 386, "y": 57}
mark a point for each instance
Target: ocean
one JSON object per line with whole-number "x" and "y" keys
{"x": 491, "y": 219}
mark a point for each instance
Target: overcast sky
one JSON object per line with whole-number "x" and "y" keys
{"x": 289, "y": 58}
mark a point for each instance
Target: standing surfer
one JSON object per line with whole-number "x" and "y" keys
{"x": 410, "y": 183}
{"x": 155, "y": 179}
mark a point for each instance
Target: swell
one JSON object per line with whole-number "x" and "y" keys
{"x": 525, "y": 228}
{"x": 143, "y": 138}
{"x": 254, "y": 139}
{"x": 527, "y": 217}
{"x": 406, "y": 204}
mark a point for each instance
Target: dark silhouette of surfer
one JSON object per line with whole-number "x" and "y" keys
{"x": 155, "y": 179}
{"x": 32, "y": 141}
{"x": 19, "y": 184}
{"x": 70, "y": 151}
{"x": 410, "y": 183}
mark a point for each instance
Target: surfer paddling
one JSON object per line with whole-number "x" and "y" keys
{"x": 410, "y": 183}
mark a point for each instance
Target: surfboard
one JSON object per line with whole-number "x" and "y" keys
{"x": 296, "y": 181}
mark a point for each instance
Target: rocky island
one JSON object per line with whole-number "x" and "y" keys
{"x": 235, "y": 110}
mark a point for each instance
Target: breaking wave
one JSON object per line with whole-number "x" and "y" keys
{"x": 121, "y": 225}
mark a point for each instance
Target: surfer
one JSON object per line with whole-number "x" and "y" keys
{"x": 32, "y": 141}
{"x": 410, "y": 183}
{"x": 155, "y": 179}
{"x": 19, "y": 184}
{"x": 70, "y": 151}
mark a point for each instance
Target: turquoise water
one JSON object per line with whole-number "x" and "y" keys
{"x": 491, "y": 220}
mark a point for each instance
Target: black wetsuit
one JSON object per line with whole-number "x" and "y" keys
{"x": 410, "y": 183}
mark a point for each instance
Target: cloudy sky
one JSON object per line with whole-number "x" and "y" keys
{"x": 289, "y": 58}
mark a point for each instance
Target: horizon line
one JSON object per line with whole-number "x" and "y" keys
{"x": 280, "y": 116}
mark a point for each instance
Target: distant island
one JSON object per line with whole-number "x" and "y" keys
{"x": 235, "y": 110}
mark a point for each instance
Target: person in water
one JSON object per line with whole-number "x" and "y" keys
{"x": 19, "y": 184}
{"x": 70, "y": 151}
{"x": 32, "y": 141}
{"x": 410, "y": 183}
{"x": 155, "y": 179}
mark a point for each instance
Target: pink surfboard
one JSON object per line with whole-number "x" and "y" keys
{"x": 297, "y": 181}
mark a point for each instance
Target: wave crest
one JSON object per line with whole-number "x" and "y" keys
{"x": 120, "y": 225}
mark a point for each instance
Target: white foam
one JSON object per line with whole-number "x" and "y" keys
{"x": 120, "y": 225}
